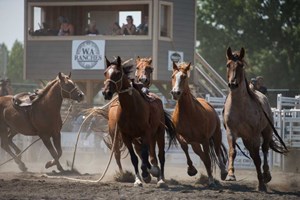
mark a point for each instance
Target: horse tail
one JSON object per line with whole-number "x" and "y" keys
{"x": 276, "y": 144}
{"x": 213, "y": 155}
{"x": 170, "y": 129}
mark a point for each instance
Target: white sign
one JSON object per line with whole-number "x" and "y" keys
{"x": 88, "y": 54}
{"x": 175, "y": 56}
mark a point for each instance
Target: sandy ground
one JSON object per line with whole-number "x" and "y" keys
{"x": 36, "y": 183}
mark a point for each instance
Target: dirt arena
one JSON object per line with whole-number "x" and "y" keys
{"x": 36, "y": 184}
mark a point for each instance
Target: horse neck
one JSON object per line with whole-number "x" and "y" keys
{"x": 53, "y": 97}
{"x": 128, "y": 100}
{"x": 186, "y": 98}
{"x": 239, "y": 94}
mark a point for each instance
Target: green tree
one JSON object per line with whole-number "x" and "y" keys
{"x": 15, "y": 63}
{"x": 269, "y": 30}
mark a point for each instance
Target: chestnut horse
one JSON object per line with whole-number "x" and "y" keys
{"x": 142, "y": 74}
{"x": 41, "y": 118}
{"x": 137, "y": 119}
{"x": 197, "y": 124}
{"x": 247, "y": 114}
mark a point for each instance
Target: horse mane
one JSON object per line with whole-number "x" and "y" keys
{"x": 128, "y": 68}
{"x": 43, "y": 91}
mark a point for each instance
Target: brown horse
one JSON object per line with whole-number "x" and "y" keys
{"x": 197, "y": 124}
{"x": 247, "y": 114}
{"x": 142, "y": 74}
{"x": 41, "y": 118}
{"x": 137, "y": 119}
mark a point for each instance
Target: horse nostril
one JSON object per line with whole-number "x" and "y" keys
{"x": 109, "y": 93}
{"x": 178, "y": 92}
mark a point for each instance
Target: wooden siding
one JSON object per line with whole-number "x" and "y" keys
{"x": 46, "y": 58}
{"x": 183, "y": 37}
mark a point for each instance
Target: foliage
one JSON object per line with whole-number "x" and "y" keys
{"x": 269, "y": 30}
{"x": 15, "y": 63}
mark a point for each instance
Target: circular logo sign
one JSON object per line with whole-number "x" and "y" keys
{"x": 87, "y": 54}
{"x": 175, "y": 57}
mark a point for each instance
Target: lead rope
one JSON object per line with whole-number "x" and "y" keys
{"x": 69, "y": 110}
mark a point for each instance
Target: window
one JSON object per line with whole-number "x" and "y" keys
{"x": 166, "y": 20}
{"x": 46, "y": 18}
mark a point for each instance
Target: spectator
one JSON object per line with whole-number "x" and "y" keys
{"x": 142, "y": 29}
{"x": 116, "y": 29}
{"x": 92, "y": 30}
{"x": 66, "y": 28}
{"x": 258, "y": 84}
{"x": 129, "y": 28}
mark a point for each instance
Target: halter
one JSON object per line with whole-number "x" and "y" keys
{"x": 119, "y": 91}
{"x": 69, "y": 92}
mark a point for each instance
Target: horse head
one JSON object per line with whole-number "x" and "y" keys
{"x": 116, "y": 78}
{"x": 235, "y": 68}
{"x": 69, "y": 89}
{"x": 144, "y": 70}
{"x": 180, "y": 79}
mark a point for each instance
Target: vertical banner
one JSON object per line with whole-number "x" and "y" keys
{"x": 88, "y": 54}
{"x": 175, "y": 56}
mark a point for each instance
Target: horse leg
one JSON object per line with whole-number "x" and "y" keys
{"x": 221, "y": 153}
{"x": 254, "y": 153}
{"x": 161, "y": 156}
{"x": 204, "y": 155}
{"x": 47, "y": 142}
{"x": 118, "y": 155}
{"x": 154, "y": 170}
{"x": 232, "y": 154}
{"x": 267, "y": 137}
{"x": 13, "y": 145}
{"x": 5, "y": 145}
{"x": 192, "y": 171}
{"x": 145, "y": 162}
{"x": 57, "y": 144}
{"x": 134, "y": 160}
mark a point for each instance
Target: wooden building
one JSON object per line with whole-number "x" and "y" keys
{"x": 171, "y": 35}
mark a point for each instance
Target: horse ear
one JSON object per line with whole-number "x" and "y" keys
{"x": 174, "y": 66}
{"x": 150, "y": 61}
{"x": 138, "y": 59}
{"x": 242, "y": 53}
{"x": 229, "y": 54}
{"x": 119, "y": 61}
{"x": 189, "y": 66}
{"x": 60, "y": 76}
{"x": 70, "y": 74}
{"x": 107, "y": 62}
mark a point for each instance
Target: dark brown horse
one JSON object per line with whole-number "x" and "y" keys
{"x": 137, "y": 119}
{"x": 197, "y": 124}
{"x": 39, "y": 117}
{"x": 143, "y": 74}
{"x": 247, "y": 114}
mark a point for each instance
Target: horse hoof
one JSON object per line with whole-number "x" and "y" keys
{"x": 212, "y": 185}
{"x": 138, "y": 183}
{"x": 59, "y": 168}
{"x": 154, "y": 171}
{"x": 147, "y": 179}
{"x": 49, "y": 164}
{"x": 262, "y": 187}
{"x": 267, "y": 177}
{"x": 230, "y": 178}
{"x": 192, "y": 171}
{"x": 161, "y": 184}
{"x": 23, "y": 168}
{"x": 224, "y": 175}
